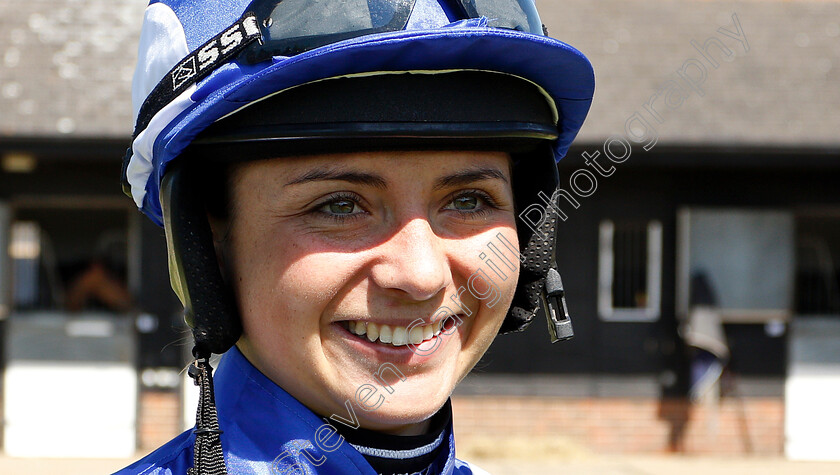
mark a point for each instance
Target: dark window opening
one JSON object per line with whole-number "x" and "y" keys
{"x": 630, "y": 244}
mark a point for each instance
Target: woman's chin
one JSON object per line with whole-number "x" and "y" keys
{"x": 401, "y": 419}
{"x": 395, "y": 408}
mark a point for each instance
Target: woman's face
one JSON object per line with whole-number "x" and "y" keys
{"x": 331, "y": 253}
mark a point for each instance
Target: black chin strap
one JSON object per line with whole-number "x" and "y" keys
{"x": 208, "y": 458}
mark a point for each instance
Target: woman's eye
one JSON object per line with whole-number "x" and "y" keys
{"x": 340, "y": 207}
{"x": 471, "y": 203}
{"x": 465, "y": 203}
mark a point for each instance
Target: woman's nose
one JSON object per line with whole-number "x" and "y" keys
{"x": 413, "y": 262}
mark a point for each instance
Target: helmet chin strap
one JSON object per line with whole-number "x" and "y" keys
{"x": 552, "y": 295}
{"x": 208, "y": 304}
{"x": 540, "y": 286}
{"x": 208, "y": 457}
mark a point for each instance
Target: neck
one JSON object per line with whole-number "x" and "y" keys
{"x": 408, "y": 449}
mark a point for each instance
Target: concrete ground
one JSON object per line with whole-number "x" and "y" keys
{"x": 578, "y": 465}
{"x": 661, "y": 465}
{"x": 555, "y": 456}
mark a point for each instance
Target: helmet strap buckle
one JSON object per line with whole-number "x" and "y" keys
{"x": 554, "y": 305}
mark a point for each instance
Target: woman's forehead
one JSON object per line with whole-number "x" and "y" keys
{"x": 377, "y": 168}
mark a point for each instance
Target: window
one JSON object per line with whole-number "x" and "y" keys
{"x": 71, "y": 257}
{"x": 629, "y": 271}
{"x": 747, "y": 257}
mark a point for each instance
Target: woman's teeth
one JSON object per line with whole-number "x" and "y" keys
{"x": 393, "y": 334}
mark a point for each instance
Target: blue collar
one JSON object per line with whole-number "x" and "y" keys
{"x": 268, "y": 431}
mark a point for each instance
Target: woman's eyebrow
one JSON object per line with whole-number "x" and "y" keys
{"x": 356, "y": 177}
{"x": 470, "y": 176}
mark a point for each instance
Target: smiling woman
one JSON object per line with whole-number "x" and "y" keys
{"x": 370, "y": 238}
{"x": 340, "y": 211}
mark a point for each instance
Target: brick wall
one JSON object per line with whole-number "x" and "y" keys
{"x": 158, "y": 419}
{"x": 735, "y": 426}
{"x": 612, "y": 425}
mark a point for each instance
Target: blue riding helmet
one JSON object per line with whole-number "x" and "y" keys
{"x": 279, "y": 75}
{"x": 435, "y": 37}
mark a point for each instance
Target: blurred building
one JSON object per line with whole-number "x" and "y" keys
{"x": 700, "y": 243}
